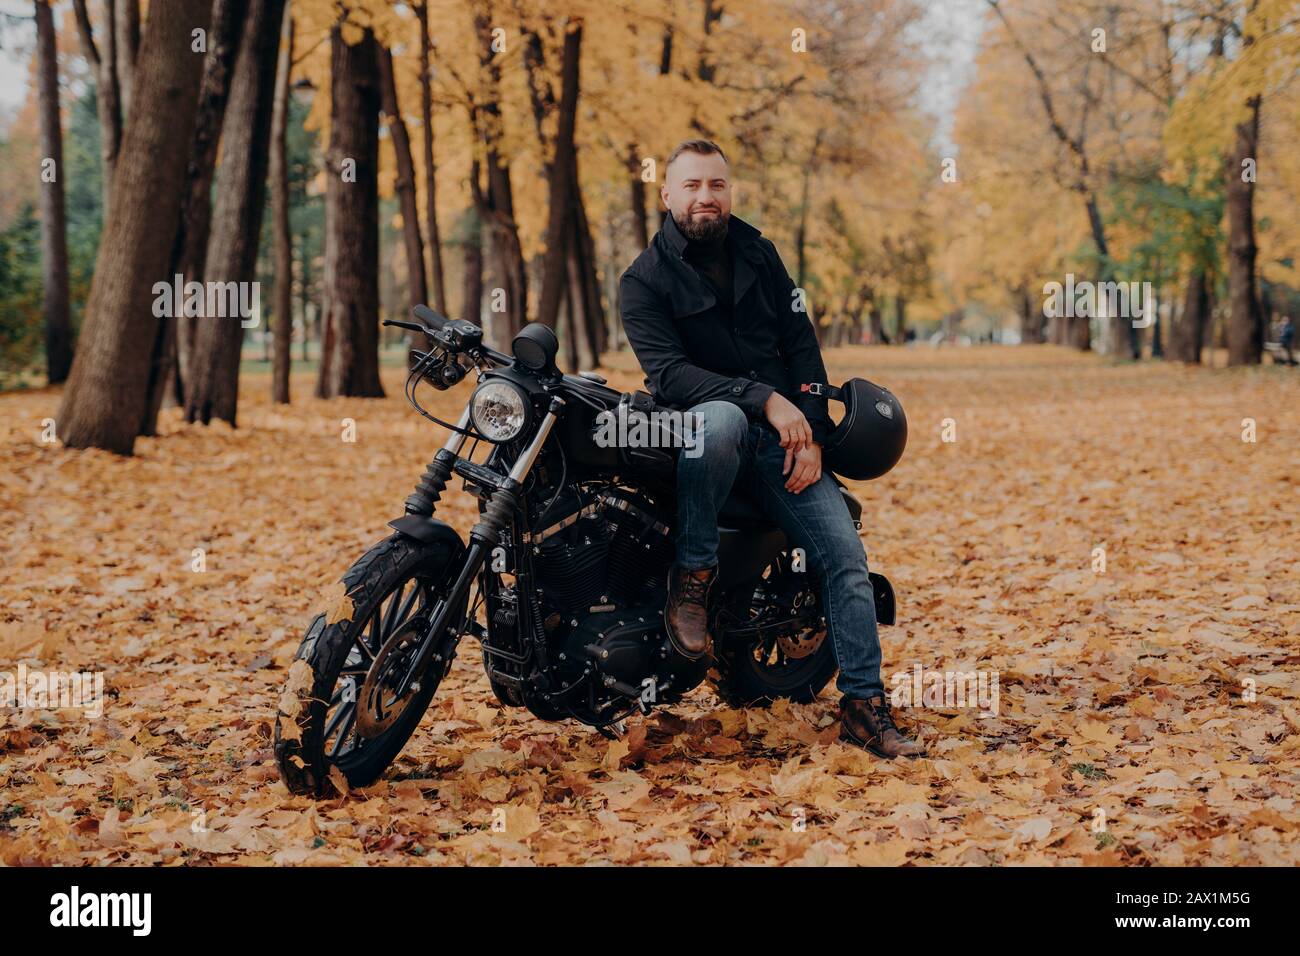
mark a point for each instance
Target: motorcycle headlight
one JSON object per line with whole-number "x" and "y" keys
{"x": 499, "y": 410}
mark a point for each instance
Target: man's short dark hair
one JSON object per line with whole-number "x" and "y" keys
{"x": 701, "y": 146}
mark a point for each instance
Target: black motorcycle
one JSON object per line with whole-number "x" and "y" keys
{"x": 568, "y": 566}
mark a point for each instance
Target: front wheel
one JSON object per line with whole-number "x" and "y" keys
{"x": 340, "y": 708}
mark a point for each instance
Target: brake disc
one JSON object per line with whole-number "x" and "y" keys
{"x": 803, "y": 641}
{"x": 377, "y": 707}
{"x": 796, "y": 646}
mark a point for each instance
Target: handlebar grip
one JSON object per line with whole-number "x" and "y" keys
{"x": 429, "y": 317}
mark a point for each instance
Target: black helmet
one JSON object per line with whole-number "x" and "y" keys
{"x": 870, "y": 438}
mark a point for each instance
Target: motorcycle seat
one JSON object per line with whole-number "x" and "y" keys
{"x": 740, "y": 512}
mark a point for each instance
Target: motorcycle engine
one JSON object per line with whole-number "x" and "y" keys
{"x": 609, "y": 551}
{"x": 603, "y": 571}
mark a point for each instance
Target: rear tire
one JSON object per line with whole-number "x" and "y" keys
{"x": 741, "y": 684}
{"x": 751, "y": 673}
{"x": 394, "y": 583}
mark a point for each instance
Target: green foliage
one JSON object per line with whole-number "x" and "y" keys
{"x": 22, "y": 335}
{"x": 306, "y": 214}
{"x": 21, "y": 320}
{"x": 84, "y": 198}
{"x": 1179, "y": 225}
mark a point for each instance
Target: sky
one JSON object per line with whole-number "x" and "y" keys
{"x": 949, "y": 34}
{"x": 17, "y": 42}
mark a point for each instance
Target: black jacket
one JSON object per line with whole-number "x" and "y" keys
{"x": 692, "y": 354}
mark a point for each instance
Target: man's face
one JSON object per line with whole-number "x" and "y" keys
{"x": 697, "y": 192}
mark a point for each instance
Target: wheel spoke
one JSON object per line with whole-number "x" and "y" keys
{"x": 399, "y": 608}
{"x": 339, "y": 715}
{"x": 359, "y": 641}
{"x": 390, "y": 612}
{"x": 343, "y": 720}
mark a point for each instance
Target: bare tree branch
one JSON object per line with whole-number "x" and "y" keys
{"x": 87, "y": 33}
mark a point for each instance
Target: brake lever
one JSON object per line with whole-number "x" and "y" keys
{"x": 411, "y": 326}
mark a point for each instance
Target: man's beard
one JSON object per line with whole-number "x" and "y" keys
{"x": 703, "y": 230}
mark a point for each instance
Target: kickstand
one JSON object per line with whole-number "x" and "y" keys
{"x": 619, "y": 725}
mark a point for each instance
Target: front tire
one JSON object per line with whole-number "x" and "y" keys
{"x": 321, "y": 723}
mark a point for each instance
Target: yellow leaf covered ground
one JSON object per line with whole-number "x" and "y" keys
{"x": 1148, "y": 712}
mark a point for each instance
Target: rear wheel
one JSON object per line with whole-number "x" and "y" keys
{"x": 343, "y": 709}
{"x": 772, "y": 642}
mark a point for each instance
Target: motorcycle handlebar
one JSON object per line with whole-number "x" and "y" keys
{"x": 429, "y": 317}
{"x": 452, "y": 338}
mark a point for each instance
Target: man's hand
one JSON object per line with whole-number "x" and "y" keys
{"x": 796, "y": 433}
{"x": 807, "y": 467}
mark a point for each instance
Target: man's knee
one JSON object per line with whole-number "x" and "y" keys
{"x": 717, "y": 428}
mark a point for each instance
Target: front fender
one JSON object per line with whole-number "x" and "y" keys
{"x": 427, "y": 530}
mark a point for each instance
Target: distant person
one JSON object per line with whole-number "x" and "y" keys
{"x": 1288, "y": 336}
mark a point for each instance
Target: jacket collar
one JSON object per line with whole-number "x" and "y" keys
{"x": 700, "y": 296}
{"x": 740, "y": 232}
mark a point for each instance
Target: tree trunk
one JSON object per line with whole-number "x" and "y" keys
{"x": 54, "y": 223}
{"x": 325, "y": 330}
{"x": 559, "y": 234}
{"x": 169, "y": 365}
{"x": 1031, "y": 318}
{"x": 1245, "y": 325}
{"x": 430, "y": 166}
{"x": 237, "y": 217}
{"x": 496, "y": 209}
{"x": 280, "y": 212}
{"x": 568, "y": 335}
{"x": 417, "y": 289}
{"x": 110, "y": 106}
{"x": 597, "y": 326}
{"x": 107, "y": 389}
{"x": 614, "y": 340}
{"x": 855, "y": 317}
{"x": 705, "y": 68}
{"x": 900, "y": 320}
{"x": 127, "y": 28}
{"x": 569, "y": 262}
{"x": 108, "y": 96}
{"x": 1189, "y": 337}
{"x": 665, "y": 67}
{"x": 304, "y": 285}
{"x": 636, "y": 195}
{"x": 352, "y": 200}
{"x": 506, "y": 258}
{"x": 878, "y": 336}
{"x": 580, "y": 327}
{"x": 1157, "y": 331}
{"x": 472, "y": 285}
{"x": 801, "y": 231}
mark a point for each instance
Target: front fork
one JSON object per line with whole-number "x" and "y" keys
{"x": 502, "y": 502}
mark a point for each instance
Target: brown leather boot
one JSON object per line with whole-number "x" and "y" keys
{"x": 870, "y": 725}
{"x": 685, "y": 613}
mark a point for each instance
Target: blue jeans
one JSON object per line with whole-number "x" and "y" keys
{"x": 735, "y": 455}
